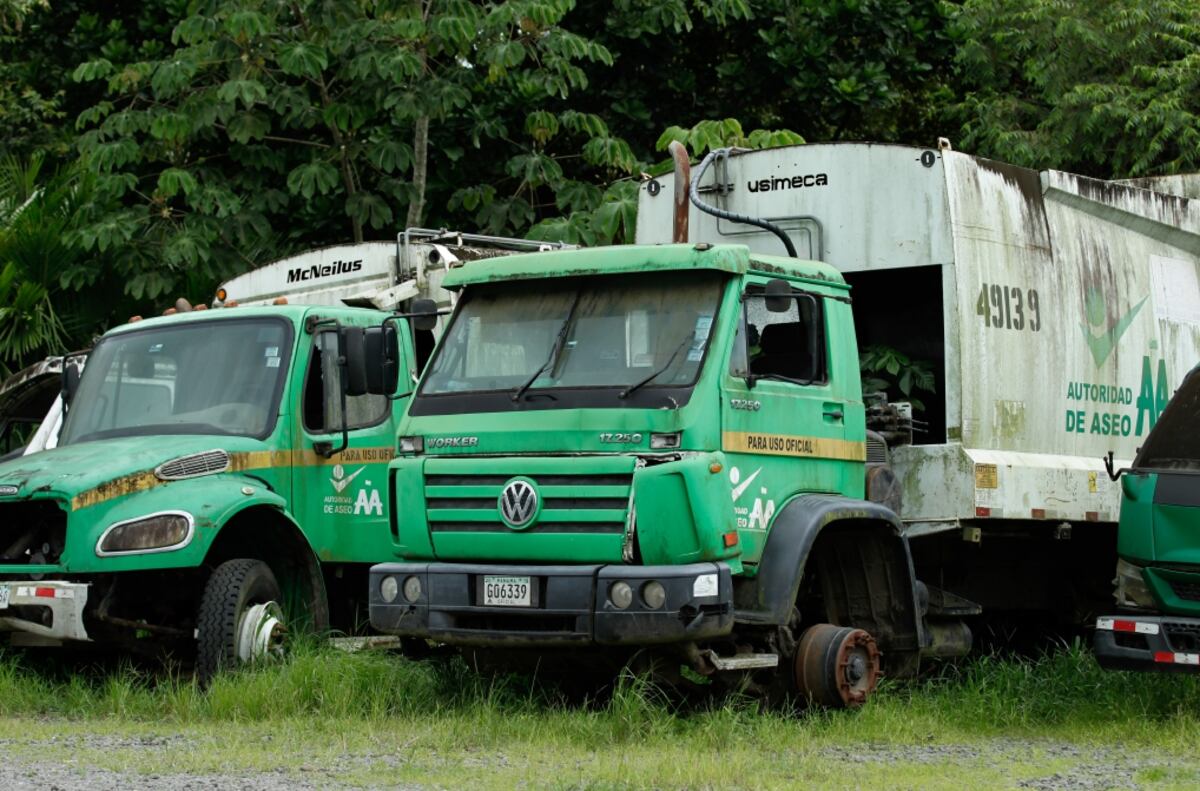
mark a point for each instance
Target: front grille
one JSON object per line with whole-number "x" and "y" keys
{"x": 596, "y": 503}
{"x": 32, "y": 532}
{"x": 1186, "y": 590}
{"x": 543, "y": 480}
{"x": 193, "y": 466}
{"x": 877, "y": 450}
{"x": 540, "y": 526}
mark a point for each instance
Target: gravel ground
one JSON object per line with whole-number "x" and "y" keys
{"x": 1091, "y": 769}
{"x": 20, "y": 775}
{"x": 1094, "y": 769}
{"x": 20, "y": 771}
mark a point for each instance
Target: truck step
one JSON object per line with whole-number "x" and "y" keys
{"x": 742, "y": 661}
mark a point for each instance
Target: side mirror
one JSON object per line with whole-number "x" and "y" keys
{"x": 70, "y": 381}
{"x": 778, "y": 295}
{"x": 381, "y": 349}
{"x": 353, "y": 359}
{"x": 424, "y": 314}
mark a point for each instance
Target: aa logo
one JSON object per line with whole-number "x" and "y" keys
{"x": 368, "y": 502}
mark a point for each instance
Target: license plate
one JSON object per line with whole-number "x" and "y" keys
{"x": 4, "y": 594}
{"x": 507, "y": 591}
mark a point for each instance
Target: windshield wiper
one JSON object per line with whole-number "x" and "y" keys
{"x": 625, "y": 393}
{"x": 555, "y": 350}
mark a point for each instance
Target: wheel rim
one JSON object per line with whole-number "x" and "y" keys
{"x": 836, "y": 666}
{"x": 261, "y": 632}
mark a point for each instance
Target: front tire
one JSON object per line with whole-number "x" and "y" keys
{"x": 240, "y": 619}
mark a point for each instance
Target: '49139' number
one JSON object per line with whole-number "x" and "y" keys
{"x": 1009, "y": 307}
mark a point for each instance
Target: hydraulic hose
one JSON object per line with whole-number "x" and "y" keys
{"x": 694, "y": 194}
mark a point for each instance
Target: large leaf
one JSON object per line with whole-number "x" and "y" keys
{"x": 301, "y": 59}
{"x": 317, "y": 177}
{"x": 172, "y": 181}
{"x": 246, "y": 91}
{"x": 369, "y": 209}
{"x": 245, "y": 127}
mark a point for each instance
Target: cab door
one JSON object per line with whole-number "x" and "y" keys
{"x": 784, "y": 411}
{"x": 341, "y": 497}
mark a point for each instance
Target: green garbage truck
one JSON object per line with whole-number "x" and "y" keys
{"x": 1157, "y": 623}
{"x": 219, "y": 477}
{"x": 656, "y": 452}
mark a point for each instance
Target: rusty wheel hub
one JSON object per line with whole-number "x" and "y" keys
{"x": 836, "y": 666}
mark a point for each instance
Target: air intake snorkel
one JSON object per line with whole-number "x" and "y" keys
{"x": 694, "y": 194}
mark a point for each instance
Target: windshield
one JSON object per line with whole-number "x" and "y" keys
{"x": 648, "y": 330}
{"x": 207, "y": 377}
{"x": 1174, "y": 442}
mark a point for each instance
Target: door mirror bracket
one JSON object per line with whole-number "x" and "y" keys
{"x": 1109, "y": 463}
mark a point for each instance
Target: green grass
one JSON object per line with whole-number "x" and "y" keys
{"x": 374, "y": 718}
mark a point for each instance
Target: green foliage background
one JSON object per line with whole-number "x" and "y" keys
{"x": 149, "y": 150}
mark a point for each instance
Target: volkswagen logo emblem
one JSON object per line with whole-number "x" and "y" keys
{"x": 518, "y": 504}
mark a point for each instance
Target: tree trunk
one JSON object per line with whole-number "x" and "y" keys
{"x": 348, "y": 180}
{"x": 416, "y": 206}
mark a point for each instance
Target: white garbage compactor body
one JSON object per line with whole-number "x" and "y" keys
{"x": 1060, "y": 312}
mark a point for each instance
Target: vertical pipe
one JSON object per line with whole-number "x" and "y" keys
{"x": 683, "y": 181}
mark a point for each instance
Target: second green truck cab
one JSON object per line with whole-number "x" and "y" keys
{"x": 1158, "y": 570}
{"x": 220, "y": 475}
{"x": 212, "y": 474}
{"x": 655, "y": 452}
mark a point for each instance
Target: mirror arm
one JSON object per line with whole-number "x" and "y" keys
{"x": 442, "y": 312}
{"x": 1113, "y": 475}
{"x": 325, "y": 448}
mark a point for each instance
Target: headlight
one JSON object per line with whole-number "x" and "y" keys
{"x": 389, "y": 588}
{"x": 621, "y": 595}
{"x": 1131, "y": 587}
{"x": 654, "y": 594}
{"x": 412, "y": 444}
{"x": 412, "y": 588}
{"x": 155, "y": 533}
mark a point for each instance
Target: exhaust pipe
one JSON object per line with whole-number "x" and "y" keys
{"x": 683, "y": 184}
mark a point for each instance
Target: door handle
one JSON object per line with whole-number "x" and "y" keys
{"x": 834, "y": 413}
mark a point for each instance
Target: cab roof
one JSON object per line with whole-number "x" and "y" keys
{"x": 292, "y": 313}
{"x": 618, "y": 259}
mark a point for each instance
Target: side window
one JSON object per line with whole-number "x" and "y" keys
{"x": 788, "y": 345}
{"x": 323, "y": 393}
